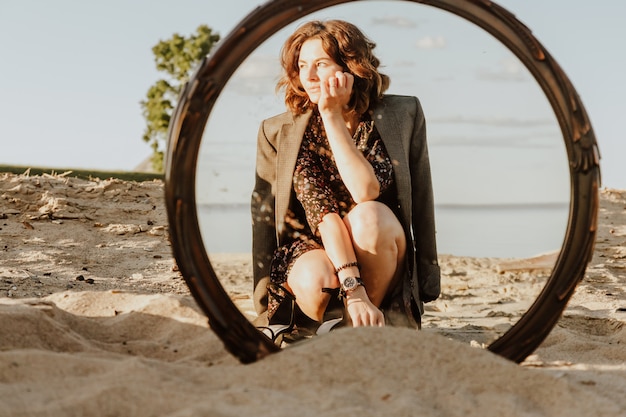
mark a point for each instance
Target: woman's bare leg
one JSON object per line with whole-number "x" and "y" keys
{"x": 371, "y": 234}
{"x": 380, "y": 246}
{"x": 340, "y": 250}
{"x": 311, "y": 272}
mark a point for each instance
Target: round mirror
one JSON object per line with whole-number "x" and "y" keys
{"x": 513, "y": 162}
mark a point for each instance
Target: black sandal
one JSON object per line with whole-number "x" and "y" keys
{"x": 281, "y": 314}
{"x": 288, "y": 324}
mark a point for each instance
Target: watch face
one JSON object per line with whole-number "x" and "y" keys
{"x": 349, "y": 283}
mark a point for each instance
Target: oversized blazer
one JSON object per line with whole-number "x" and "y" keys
{"x": 401, "y": 124}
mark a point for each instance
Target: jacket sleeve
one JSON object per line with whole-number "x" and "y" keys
{"x": 423, "y": 215}
{"x": 263, "y": 214}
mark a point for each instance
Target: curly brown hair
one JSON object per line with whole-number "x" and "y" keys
{"x": 349, "y": 48}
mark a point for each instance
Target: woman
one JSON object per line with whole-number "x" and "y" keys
{"x": 343, "y": 198}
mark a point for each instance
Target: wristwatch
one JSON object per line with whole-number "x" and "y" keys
{"x": 350, "y": 284}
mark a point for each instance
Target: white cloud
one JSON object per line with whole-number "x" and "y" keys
{"x": 532, "y": 140}
{"x": 493, "y": 121}
{"x": 508, "y": 69}
{"x": 404, "y": 63}
{"x": 394, "y": 21}
{"x": 431, "y": 42}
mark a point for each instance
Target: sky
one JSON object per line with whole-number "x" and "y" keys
{"x": 73, "y": 73}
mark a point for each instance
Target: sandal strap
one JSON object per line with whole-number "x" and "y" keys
{"x": 329, "y": 325}
{"x": 275, "y": 330}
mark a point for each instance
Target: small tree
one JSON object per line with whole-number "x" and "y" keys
{"x": 177, "y": 57}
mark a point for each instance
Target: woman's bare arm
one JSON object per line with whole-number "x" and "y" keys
{"x": 356, "y": 172}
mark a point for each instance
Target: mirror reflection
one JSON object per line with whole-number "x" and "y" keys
{"x": 498, "y": 163}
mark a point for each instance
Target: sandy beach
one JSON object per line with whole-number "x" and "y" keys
{"x": 96, "y": 320}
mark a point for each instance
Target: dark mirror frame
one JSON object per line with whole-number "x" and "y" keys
{"x": 196, "y": 101}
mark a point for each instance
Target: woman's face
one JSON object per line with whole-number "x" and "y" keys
{"x": 316, "y": 66}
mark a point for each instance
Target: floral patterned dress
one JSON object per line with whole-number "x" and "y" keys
{"x": 320, "y": 189}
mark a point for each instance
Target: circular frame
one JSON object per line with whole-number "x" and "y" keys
{"x": 198, "y": 97}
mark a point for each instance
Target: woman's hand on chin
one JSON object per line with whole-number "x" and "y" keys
{"x": 335, "y": 92}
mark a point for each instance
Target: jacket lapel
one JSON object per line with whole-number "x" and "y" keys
{"x": 290, "y": 139}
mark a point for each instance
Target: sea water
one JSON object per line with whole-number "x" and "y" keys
{"x": 503, "y": 231}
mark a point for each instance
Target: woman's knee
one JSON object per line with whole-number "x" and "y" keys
{"x": 373, "y": 223}
{"x": 310, "y": 273}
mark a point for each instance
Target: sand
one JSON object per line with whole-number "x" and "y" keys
{"x": 96, "y": 320}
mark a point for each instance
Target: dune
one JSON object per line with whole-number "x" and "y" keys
{"x": 96, "y": 320}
